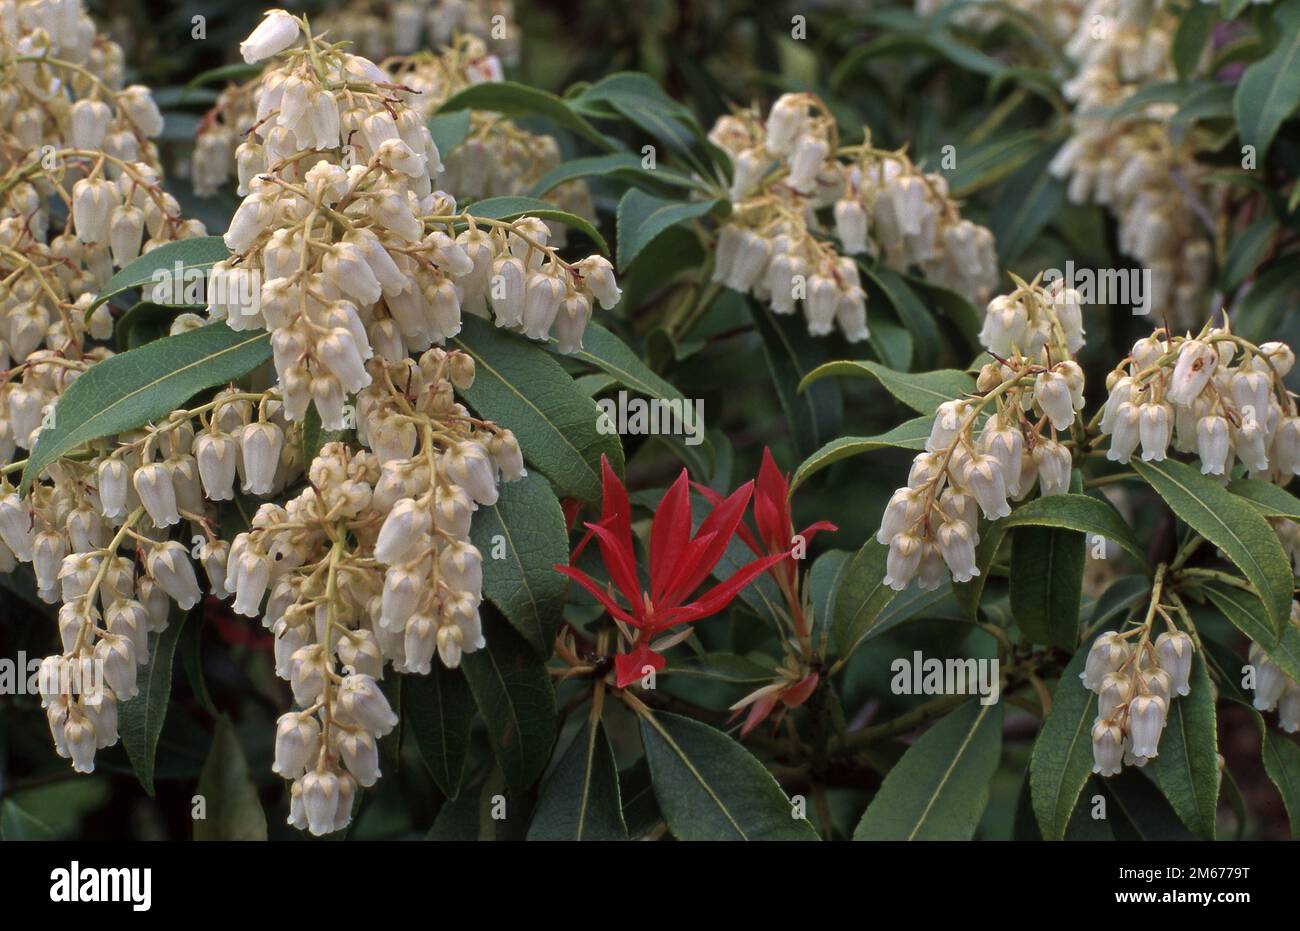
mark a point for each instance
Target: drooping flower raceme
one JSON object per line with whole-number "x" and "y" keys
{"x": 790, "y": 166}
{"x": 978, "y": 460}
{"x": 1216, "y": 395}
{"x": 679, "y": 564}
{"x": 1136, "y": 679}
{"x": 356, "y": 254}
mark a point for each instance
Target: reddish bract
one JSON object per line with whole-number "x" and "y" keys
{"x": 679, "y": 564}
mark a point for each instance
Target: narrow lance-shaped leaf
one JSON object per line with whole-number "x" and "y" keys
{"x": 512, "y": 690}
{"x": 939, "y": 788}
{"x": 133, "y": 388}
{"x": 439, "y": 710}
{"x": 922, "y": 392}
{"x": 232, "y": 810}
{"x": 193, "y": 255}
{"x": 1187, "y": 767}
{"x": 520, "y": 386}
{"x": 1240, "y": 532}
{"x": 521, "y": 538}
{"x": 140, "y": 720}
{"x": 710, "y": 788}
{"x": 514, "y": 207}
{"x": 580, "y": 799}
{"x": 1062, "y": 756}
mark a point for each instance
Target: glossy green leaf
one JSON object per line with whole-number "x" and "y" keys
{"x": 1268, "y": 91}
{"x": 1062, "y": 756}
{"x": 623, "y": 166}
{"x": 921, "y": 391}
{"x": 910, "y": 434}
{"x": 643, "y": 217}
{"x": 1269, "y": 499}
{"x": 439, "y": 710}
{"x": 140, "y": 720}
{"x": 199, "y": 253}
{"x": 1240, "y": 532}
{"x": 580, "y": 798}
{"x": 513, "y": 207}
{"x": 710, "y": 788}
{"x": 520, "y": 386}
{"x": 1282, "y": 764}
{"x": 1245, "y": 611}
{"x": 522, "y": 537}
{"x": 1046, "y": 582}
{"x": 862, "y": 596}
{"x": 133, "y": 388}
{"x": 813, "y": 413}
{"x": 512, "y": 99}
{"x": 232, "y": 809}
{"x": 938, "y": 789}
{"x": 1187, "y": 767}
{"x": 449, "y": 130}
{"x": 512, "y": 690}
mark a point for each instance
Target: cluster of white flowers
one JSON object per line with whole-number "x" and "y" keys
{"x": 118, "y": 499}
{"x": 72, "y": 141}
{"x": 384, "y": 28}
{"x": 1217, "y": 395}
{"x": 63, "y": 87}
{"x": 371, "y": 564}
{"x": 1058, "y": 18}
{"x": 1147, "y": 176}
{"x": 1135, "y": 684}
{"x": 931, "y": 524}
{"x": 496, "y": 158}
{"x": 788, "y": 168}
{"x": 1274, "y": 689}
{"x": 355, "y": 253}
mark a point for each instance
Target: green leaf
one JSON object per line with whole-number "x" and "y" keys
{"x": 814, "y": 415}
{"x": 439, "y": 710}
{"x": 1046, "y": 587}
{"x": 580, "y": 798}
{"x": 910, "y": 434}
{"x": 921, "y": 391}
{"x": 639, "y": 100}
{"x": 521, "y": 538}
{"x": 511, "y": 99}
{"x": 1282, "y": 763}
{"x": 513, "y": 207}
{"x": 1269, "y": 90}
{"x": 1268, "y": 499}
{"x": 643, "y": 217}
{"x": 862, "y": 596}
{"x": 1187, "y": 767}
{"x": 1062, "y": 756}
{"x": 911, "y": 310}
{"x": 624, "y": 166}
{"x": 1243, "y": 536}
{"x": 512, "y": 690}
{"x": 233, "y": 811}
{"x": 520, "y": 386}
{"x": 133, "y": 388}
{"x": 449, "y": 130}
{"x": 140, "y": 720}
{"x": 938, "y": 789}
{"x": 17, "y": 823}
{"x": 1245, "y": 612}
{"x": 1189, "y": 40}
{"x": 1247, "y": 250}
{"x": 607, "y": 352}
{"x": 201, "y": 252}
{"x": 1017, "y": 221}
{"x": 1083, "y": 513}
{"x": 710, "y": 788}
{"x": 988, "y": 162}
{"x": 226, "y": 74}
